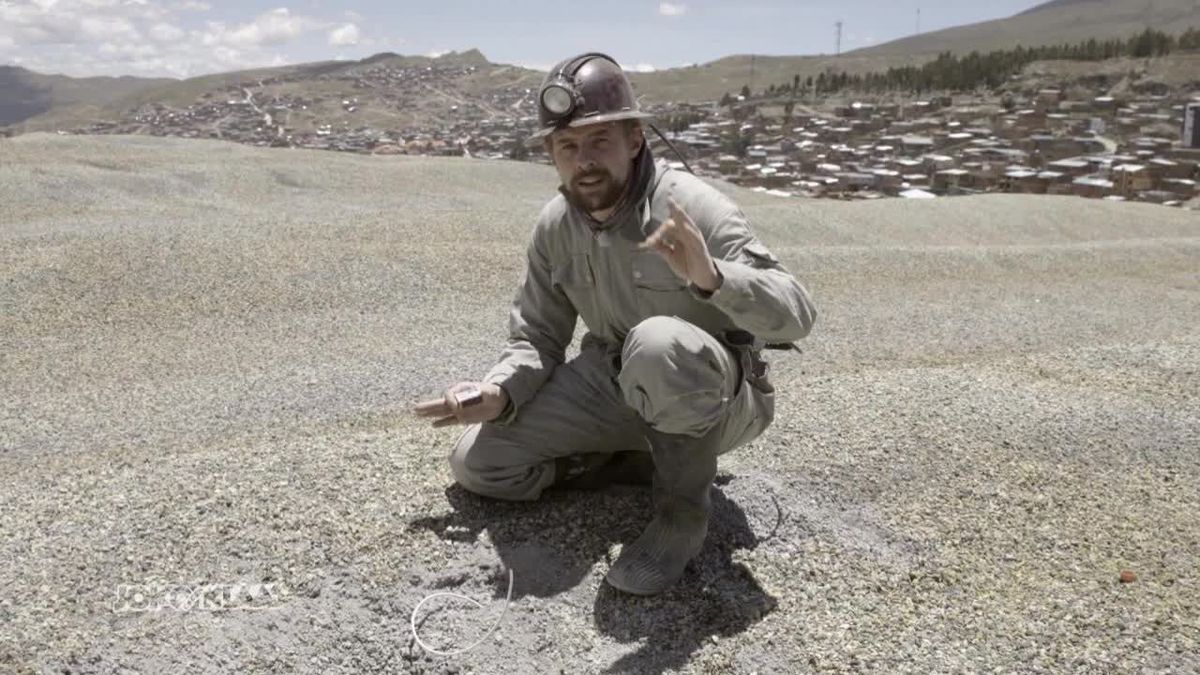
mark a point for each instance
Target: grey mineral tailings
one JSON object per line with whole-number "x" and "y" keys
{"x": 208, "y": 352}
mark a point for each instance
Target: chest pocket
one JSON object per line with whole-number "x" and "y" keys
{"x": 651, "y": 273}
{"x": 659, "y": 292}
{"x": 574, "y": 278}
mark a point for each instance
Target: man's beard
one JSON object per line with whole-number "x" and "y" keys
{"x": 597, "y": 197}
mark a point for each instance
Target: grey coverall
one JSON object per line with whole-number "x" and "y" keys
{"x": 655, "y": 348}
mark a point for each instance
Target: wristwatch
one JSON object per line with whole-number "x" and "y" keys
{"x": 707, "y": 295}
{"x": 469, "y": 397}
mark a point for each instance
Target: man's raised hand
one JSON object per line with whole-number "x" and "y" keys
{"x": 682, "y": 245}
{"x": 465, "y": 403}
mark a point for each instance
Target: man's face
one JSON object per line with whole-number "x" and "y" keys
{"x": 594, "y": 161}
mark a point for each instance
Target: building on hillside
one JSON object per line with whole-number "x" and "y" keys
{"x": 1191, "y": 126}
{"x": 1049, "y": 99}
{"x": 1074, "y": 166}
{"x": 1022, "y": 180}
{"x": 1092, "y": 187}
{"x": 1185, "y": 188}
{"x": 1130, "y": 179}
{"x": 951, "y": 180}
{"x": 1166, "y": 168}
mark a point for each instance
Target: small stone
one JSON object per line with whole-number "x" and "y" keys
{"x": 1128, "y": 577}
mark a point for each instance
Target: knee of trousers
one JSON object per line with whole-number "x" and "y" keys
{"x": 508, "y": 483}
{"x": 676, "y": 376}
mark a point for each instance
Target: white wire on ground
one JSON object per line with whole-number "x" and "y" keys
{"x": 412, "y": 621}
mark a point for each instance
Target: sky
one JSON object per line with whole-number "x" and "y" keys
{"x": 185, "y": 38}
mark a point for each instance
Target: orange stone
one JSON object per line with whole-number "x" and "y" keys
{"x": 1128, "y": 577}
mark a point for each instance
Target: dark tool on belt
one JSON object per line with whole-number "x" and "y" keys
{"x": 741, "y": 338}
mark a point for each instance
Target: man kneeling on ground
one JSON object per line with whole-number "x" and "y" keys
{"x": 678, "y": 297}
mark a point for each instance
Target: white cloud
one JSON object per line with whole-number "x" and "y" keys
{"x": 642, "y": 68}
{"x": 145, "y": 37}
{"x": 274, "y": 27}
{"x": 672, "y": 9}
{"x": 128, "y": 51}
{"x": 228, "y": 56}
{"x": 65, "y": 22}
{"x": 344, "y": 35}
{"x": 165, "y": 32}
{"x": 108, "y": 28}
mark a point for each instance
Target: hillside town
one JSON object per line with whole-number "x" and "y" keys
{"x": 1102, "y": 146}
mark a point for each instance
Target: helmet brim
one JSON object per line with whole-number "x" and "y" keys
{"x": 541, "y": 134}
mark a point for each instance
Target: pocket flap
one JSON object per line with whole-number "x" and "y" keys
{"x": 574, "y": 272}
{"x": 652, "y": 272}
{"x": 759, "y": 252}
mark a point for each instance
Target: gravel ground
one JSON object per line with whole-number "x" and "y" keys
{"x": 208, "y": 352}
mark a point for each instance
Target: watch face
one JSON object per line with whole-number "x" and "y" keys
{"x": 469, "y": 398}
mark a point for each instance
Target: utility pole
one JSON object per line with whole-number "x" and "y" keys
{"x": 839, "y": 38}
{"x": 918, "y": 21}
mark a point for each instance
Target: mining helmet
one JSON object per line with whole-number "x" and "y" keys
{"x": 587, "y": 89}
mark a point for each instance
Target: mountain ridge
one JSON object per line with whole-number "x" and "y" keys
{"x": 1051, "y": 23}
{"x": 43, "y": 101}
{"x": 1053, "y": 4}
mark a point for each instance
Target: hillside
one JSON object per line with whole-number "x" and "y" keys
{"x": 709, "y": 81}
{"x": 25, "y": 94}
{"x": 1053, "y": 23}
{"x": 41, "y": 103}
{"x": 1054, "y": 4}
{"x": 1059, "y": 22}
{"x": 1123, "y": 76}
{"x": 210, "y": 351}
{"x": 469, "y": 80}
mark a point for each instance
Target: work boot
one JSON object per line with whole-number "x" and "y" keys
{"x": 596, "y": 470}
{"x": 684, "y": 469}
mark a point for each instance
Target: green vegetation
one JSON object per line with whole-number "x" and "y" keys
{"x": 949, "y": 72}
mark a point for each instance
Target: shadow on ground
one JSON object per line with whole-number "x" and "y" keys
{"x": 553, "y": 545}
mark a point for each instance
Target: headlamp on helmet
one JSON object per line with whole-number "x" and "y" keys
{"x": 558, "y": 99}
{"x": 588, "y": 89}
